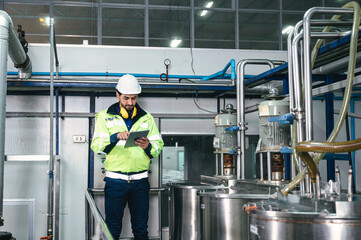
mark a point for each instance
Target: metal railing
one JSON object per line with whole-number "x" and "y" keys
{"x": 100, "y": 228}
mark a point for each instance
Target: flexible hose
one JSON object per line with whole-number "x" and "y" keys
{"x": 323, "y": 147}
{"x": 348, "y": 89}
{"x": 311, "y": 165}
{"x": 327, "y": 147}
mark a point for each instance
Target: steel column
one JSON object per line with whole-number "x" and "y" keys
{"x": 91, "y": 153}
{"x": 329, "y": 127}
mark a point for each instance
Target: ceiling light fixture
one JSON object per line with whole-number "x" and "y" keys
{"x": 287, "y": 30}
{"x": 204, "y": 12}
{"x": 208, "y": 5}
{"x": 175, "y": 43}
{"x": 44, "y": 21}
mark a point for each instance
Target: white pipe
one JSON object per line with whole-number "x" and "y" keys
{"x": 9, "y": 44}
{"x": 16, "y": 51}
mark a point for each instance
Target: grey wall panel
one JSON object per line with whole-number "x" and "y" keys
{"x": 76, "y": 104}
{"x": 17, "y": 216}
{"x": 27, "y": 136}
{"x": 73, "y": 179}
{"x": 27, "y": 180}
{"x": 16, "y": 103}
{"x": 187, "y": 126}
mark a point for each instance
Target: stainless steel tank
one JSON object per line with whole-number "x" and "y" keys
{"x": 330, "y": 219}
{"x": 223, "y": 216}
{"x": 184, "y": 209}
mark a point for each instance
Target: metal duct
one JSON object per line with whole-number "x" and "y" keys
{"x": 8, "y": 42}
{"x": 338, "y": 66}
{"x": 16, "y": 51}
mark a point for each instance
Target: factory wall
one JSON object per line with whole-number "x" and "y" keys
{"x": 30, "y": 136}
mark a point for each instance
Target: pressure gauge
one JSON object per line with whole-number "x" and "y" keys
{"x": 167, "y": 62}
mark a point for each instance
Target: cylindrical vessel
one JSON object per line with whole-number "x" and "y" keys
{"x": 296, "y": 217}
{"x": 273, "y": 135}
{"x": 276, "y": 225}
{"x": 223, "y": 216}
{"x": 184, "y": 210}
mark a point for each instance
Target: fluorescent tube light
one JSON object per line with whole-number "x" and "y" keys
{"x": 209, "y": 5}
{"x": 175, "y": 42}
{"x": 203, "y": 13}
{"x": 287, "y": 30}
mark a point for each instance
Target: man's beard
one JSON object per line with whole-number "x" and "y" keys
{"x": 127, "y": 107}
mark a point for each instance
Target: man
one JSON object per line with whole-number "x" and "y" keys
{"x": 126, "y": 168}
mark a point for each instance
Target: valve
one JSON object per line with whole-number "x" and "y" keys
{"x": 283, "y": 119}
{"x": 249, "y": 208}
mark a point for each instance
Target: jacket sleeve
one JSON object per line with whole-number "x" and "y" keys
{"x": 101, "y": 136}
{"x": 155, "y": 139}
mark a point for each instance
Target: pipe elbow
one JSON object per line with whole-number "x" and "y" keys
{"x": 15, "y": 49}
{"x": 5, "y": 19}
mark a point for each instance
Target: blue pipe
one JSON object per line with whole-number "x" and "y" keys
{"x": 97, "y": 74}
{"x": 288, "y": 166}
{"x": 222, "y": 73}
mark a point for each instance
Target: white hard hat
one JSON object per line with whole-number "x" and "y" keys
{"x": 128, "y": 84}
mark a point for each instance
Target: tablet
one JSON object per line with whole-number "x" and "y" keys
{"x": 134, "y": 136}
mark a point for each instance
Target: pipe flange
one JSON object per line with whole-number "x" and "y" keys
{"x": 297, "y": 110}
{"x": 24, "y": 64}
{"x": 242, "y": 126}
{"x": 300, "y": 116}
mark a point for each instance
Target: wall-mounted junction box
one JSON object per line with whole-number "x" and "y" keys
{"x": 79, "y": 139}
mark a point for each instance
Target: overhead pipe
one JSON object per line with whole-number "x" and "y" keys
{"x": 337, "y": 66}
{"x": 222, "y": 73}
{"x": 307, "y": 62}
{"x": 138, "y": 75}
{"x": 241, "y": 112}
{"x": 9, "y": 44}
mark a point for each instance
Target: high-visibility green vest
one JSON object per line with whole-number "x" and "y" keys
{"x": 132, "y": 159}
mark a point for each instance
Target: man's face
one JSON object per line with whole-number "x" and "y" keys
{"x": 127, "y": 101}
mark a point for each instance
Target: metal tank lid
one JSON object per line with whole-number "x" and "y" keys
{"x": 296, "y": 207}
{"x": 193, "y": 185}
{"x": 238, "y": 195}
